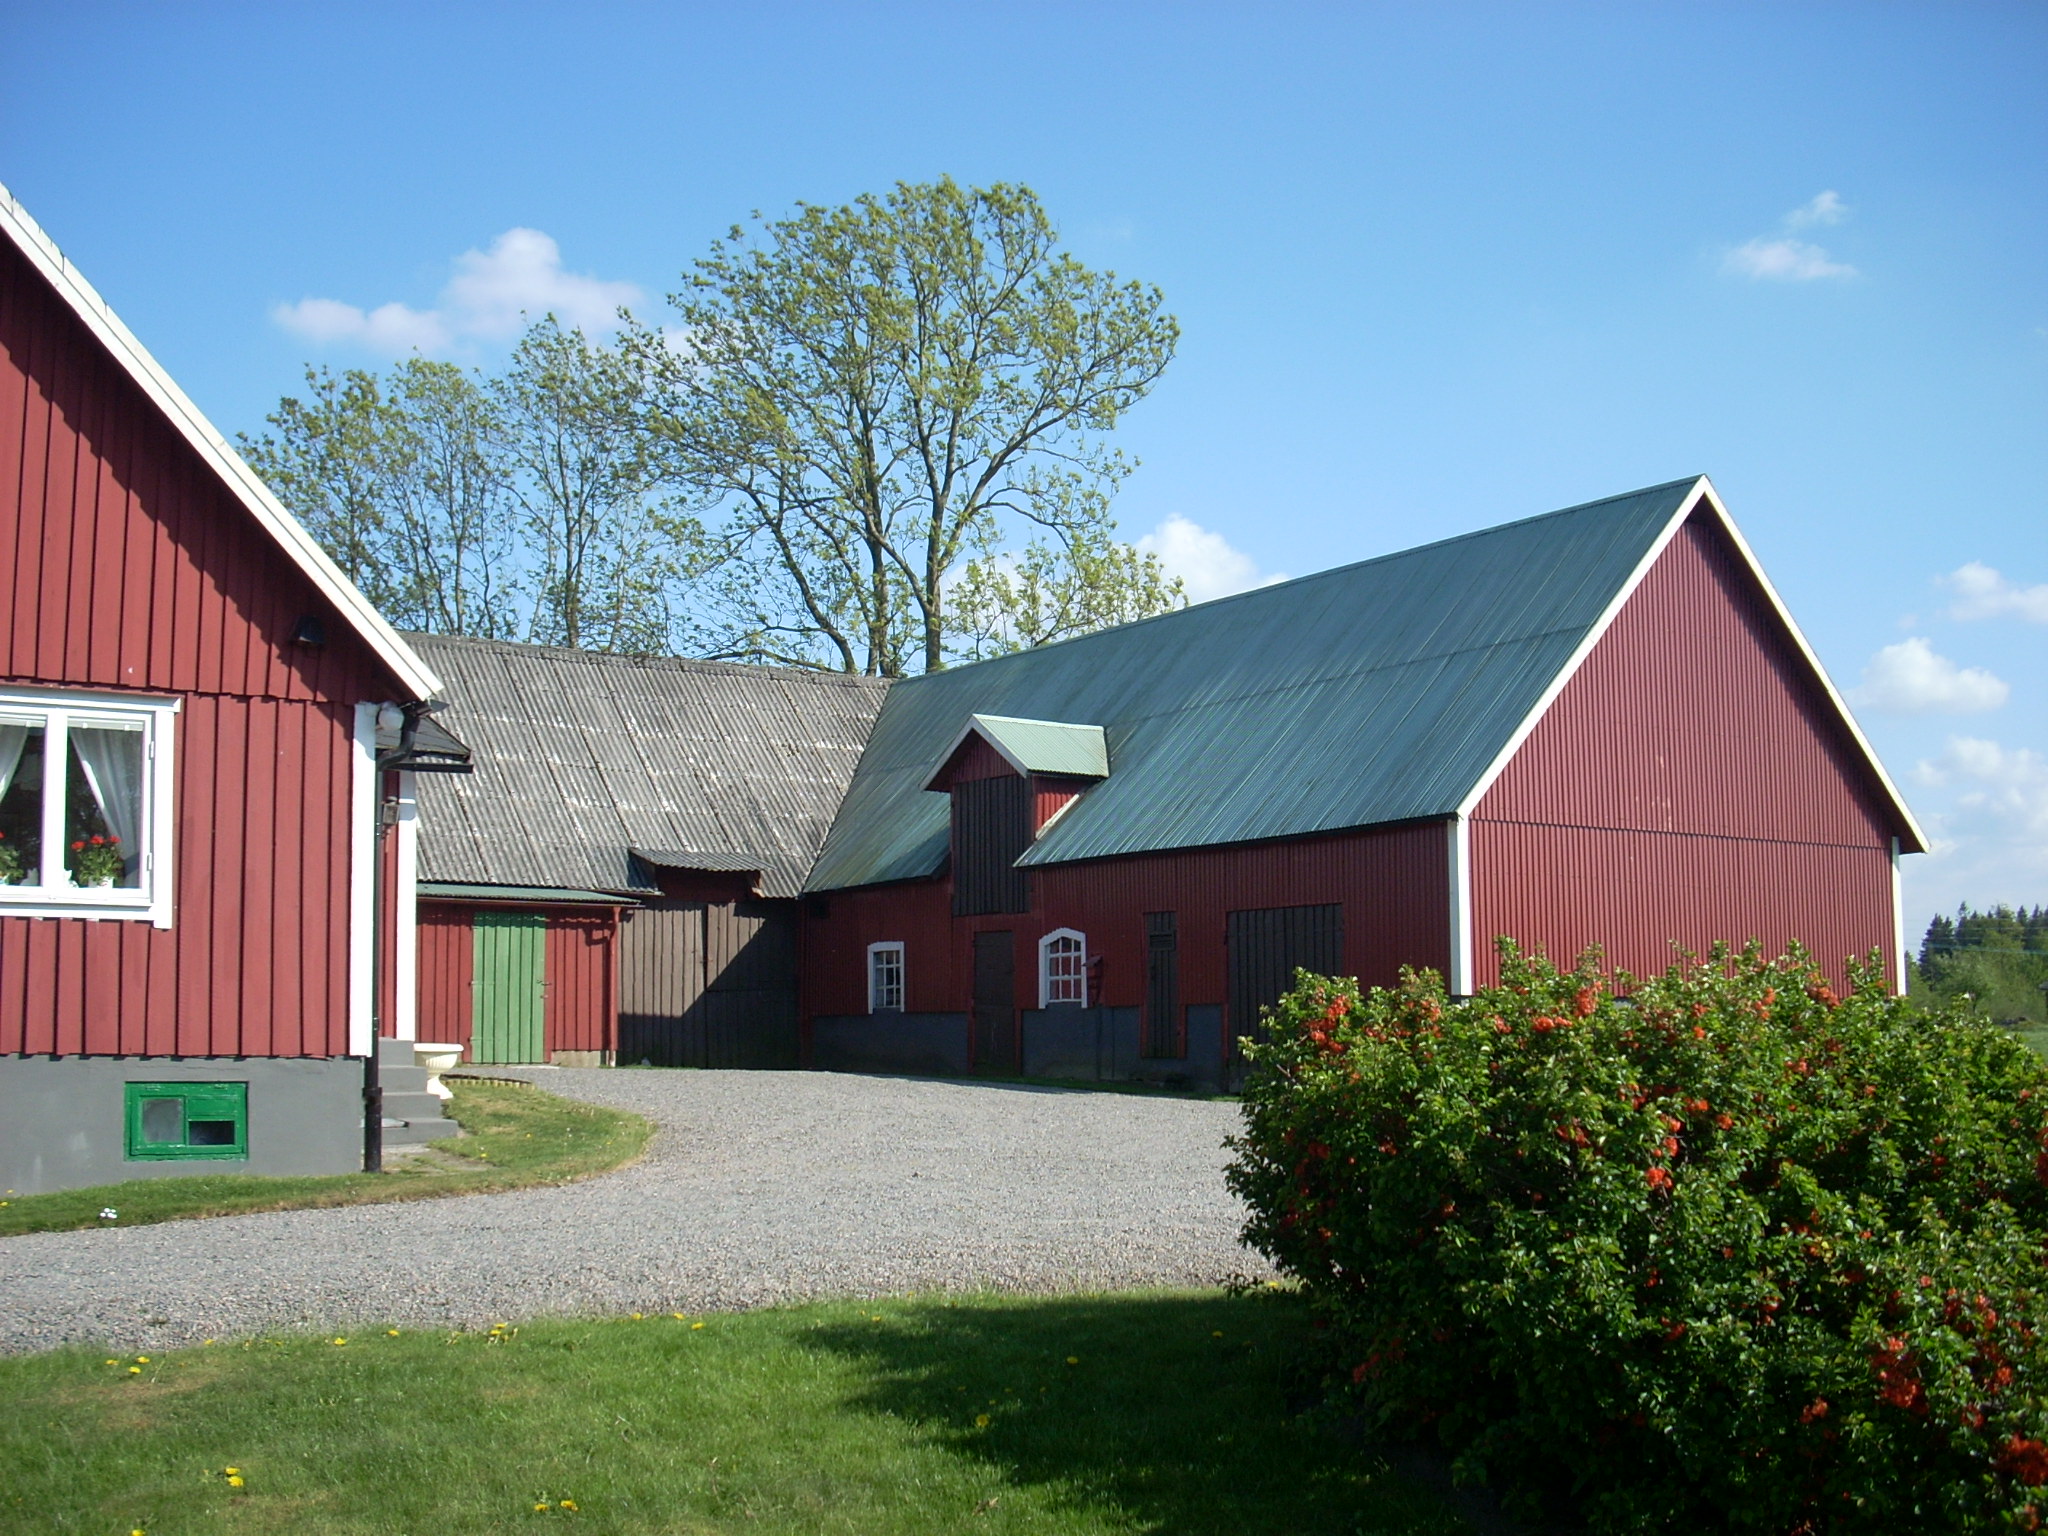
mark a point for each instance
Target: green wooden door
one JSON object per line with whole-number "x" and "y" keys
{"x": 507, "y": 1009}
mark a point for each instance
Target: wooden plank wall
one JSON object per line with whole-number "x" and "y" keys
{"x": 128, "y": 565}
{"x": 709, "y": 984}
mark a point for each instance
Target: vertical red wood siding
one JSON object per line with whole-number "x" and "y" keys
{"x": 1392, "y": 882}
{"x": 126, "y": 564}
{"x": 447, "y": 968}
{"x": 974, "y": 759}
{"x": 1690, "y": 783}
{"x": 1050, "y": 796}
{"x": 581, "y": 1012}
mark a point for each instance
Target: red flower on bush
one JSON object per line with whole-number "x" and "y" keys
{"x": 2024, "y": 1461}
{"x": 1584, "y": 1001}
{"x": 1659, "y": 1179}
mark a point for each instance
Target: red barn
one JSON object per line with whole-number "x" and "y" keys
{"x": 190, "y": 704}
{"x": 1101, "y": 858}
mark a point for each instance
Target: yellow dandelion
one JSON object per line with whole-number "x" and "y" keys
{"x": 695, "y": 1326}
{"x": 390, "y": 1333}
{"x": 234, "y": 1482}
{"x": 876, "y": 1318}
{"x": 677, "y": 1316}
{"x": 341, "y": 1341}
{"x": 232, "y": 1471}
{"x": 569, "y": 1504}
{"x": 981, "y": 1421}
{"x": 541, "y": 1508}
{"x": 637, "y": 1316}
{"x": 142, "y": 1359}
{"x": 134, "y": 1370}
{"x": 113, "y": 1362}
{"x": 1073, "y": 1359}
{"x": 1217, "y": 1334}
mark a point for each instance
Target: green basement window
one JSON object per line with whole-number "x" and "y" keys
{"x": 188, "y": 1120}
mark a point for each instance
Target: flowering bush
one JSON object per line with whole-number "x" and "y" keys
{"x": 1732, "y": 1249}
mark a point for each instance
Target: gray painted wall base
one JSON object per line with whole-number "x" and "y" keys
{"x": 61, "y": 1118}
{"x": 922, "y": 1044}
{"x": 1096, "y": 1045}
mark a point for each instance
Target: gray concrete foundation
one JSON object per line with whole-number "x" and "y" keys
{"x": 922, "y": 1044}
{"x": 62, "y": 1126}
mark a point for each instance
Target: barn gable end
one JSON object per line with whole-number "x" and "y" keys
{"x": 1695, "y": 778}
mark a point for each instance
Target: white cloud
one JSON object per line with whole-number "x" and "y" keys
{"x": 1205, "y": 561}
{"x": 1828, "y": 208}
{"x": 1990, "y": 840}
{"x": 1783, "y": 259}
{"x": 1911, "y": 679}
{"x": 491, "y": 295}
{"x": 1981, "y": 593}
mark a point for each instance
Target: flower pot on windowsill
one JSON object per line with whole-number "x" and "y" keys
{"x": 104, "y": 883}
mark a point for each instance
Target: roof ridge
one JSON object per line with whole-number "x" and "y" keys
{"x": 643, "y": 660}
{"x": 1326, "y": 573}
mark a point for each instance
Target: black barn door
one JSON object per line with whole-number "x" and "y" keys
{"x": 995, "y": 1003}
{"x": 1267, "y": 946}
{"x": 1162, "y": 986}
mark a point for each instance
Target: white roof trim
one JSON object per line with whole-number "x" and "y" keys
{"x": 1702, "y": 492}
{"x": 284, "y": 529}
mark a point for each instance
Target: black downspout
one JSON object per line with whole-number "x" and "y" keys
{"x": 373, "y": 1084}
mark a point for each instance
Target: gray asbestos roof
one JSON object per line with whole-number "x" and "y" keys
{"x": 580, "y": 758}
{"x": 1374, "y": 693}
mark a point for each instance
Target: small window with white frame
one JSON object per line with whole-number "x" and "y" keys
{"x": 885, "y": 977}
{"x": 1062, "y": 969}
{"x": 85, "y": 805}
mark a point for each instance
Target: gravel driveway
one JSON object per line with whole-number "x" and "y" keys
{"x": 760, "y": 1187}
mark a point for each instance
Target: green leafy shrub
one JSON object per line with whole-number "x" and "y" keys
{"x": 1731, "y": 1252}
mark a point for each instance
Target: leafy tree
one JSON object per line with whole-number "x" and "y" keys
{"x": 1998, "y": 958}
{"x": 327, "y": 459}
{"x": 609, "y": 553}
{"x": 874, "y": 396}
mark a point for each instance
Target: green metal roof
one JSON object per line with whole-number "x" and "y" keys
{"x": 1377, "y": 692}
{"x": 1037, "y": 746}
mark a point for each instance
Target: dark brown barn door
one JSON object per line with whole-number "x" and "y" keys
{"x": 749, "y": 1005}
{"x": 1267, "y": 946}
{"x": 1162, "y": 986}
{"x": 995, "y": 1003}
{"x": 708, "y": 984}
{"x": 991, "y": 830}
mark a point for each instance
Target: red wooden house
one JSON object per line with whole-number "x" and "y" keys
{"x": 1101, "y": 858}
{"x": 192, "y": 703}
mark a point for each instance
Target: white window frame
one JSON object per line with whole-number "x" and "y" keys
{"x": 1048, "y": 984}
{"x": 877, "y": 1000}
{"x": 55, "y": 711}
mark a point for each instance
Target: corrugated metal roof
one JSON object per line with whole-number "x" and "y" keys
{"x": 1037, "y": 746}
{"x": 1374, "y": 693}
{"x": 451, "y": 890}
{"x": 582, "y": 757}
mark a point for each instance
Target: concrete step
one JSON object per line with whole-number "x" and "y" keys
{"x": 413, "y": 1133}
{"x": 413, "y": 1106}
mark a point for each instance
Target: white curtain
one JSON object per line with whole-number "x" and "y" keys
{"x": 112, "y": 760}
{"x": 12, "y": 739}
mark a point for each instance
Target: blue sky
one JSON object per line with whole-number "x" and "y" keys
{"x": 1436, "y": 266}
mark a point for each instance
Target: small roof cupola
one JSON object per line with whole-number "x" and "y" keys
{"x": 1048, "y": 748}
{"x": 1009, "y": 780}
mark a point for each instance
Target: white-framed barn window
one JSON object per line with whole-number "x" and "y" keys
{"x": 885, "y": 977}
{"x": 1062, "y": 969}
{"x": 85, "y": 805}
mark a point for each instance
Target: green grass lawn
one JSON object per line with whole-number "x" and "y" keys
{"x": 516, "y": 1137}
{"x": 1153, "y": 1412}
